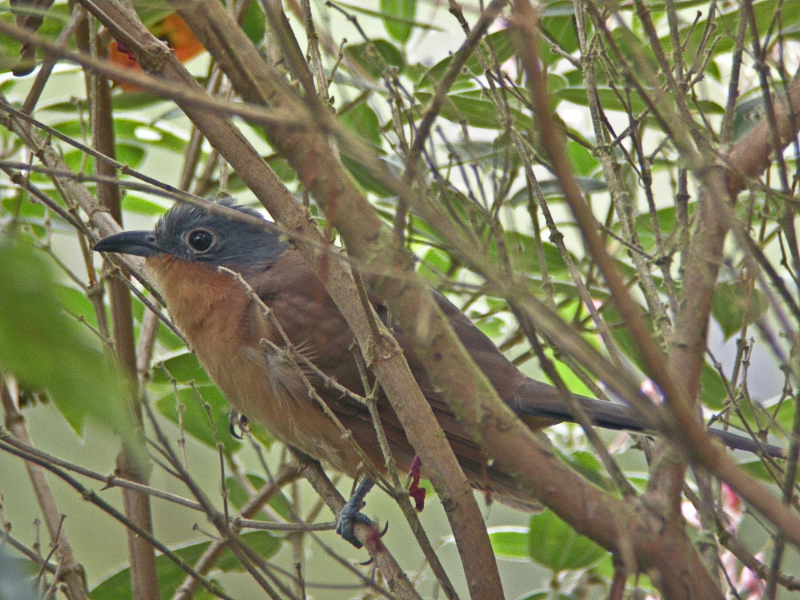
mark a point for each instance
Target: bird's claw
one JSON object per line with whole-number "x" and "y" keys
{"x": 374, "y": 542}
{"x": 351, "y": 514}
{"x": 348, "y": 518}
{"x": 238, "y": 424}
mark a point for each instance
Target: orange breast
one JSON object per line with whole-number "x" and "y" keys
{"x": 225, "y": 326}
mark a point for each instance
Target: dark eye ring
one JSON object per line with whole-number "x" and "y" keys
{"x": 201, "y": 240}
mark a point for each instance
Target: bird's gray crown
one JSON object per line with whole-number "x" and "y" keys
{"x": 192, "y": 233}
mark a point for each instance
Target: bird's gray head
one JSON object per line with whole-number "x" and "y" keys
{"x": 192, "y": 233}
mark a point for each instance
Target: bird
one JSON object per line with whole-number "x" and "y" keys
{"x": 241, "y": 294}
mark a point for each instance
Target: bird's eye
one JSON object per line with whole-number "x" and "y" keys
{"x": 201, "y": 240}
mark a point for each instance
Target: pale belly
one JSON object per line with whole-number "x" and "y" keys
{"x": 268, "y": 388}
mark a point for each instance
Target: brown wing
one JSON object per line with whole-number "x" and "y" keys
{"x": 315, "y": 326}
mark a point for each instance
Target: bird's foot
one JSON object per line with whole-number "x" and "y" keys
{"x": 351, "y": 514}
{"x": 238, "y": 424}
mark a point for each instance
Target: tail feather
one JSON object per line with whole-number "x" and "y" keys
{"x": 541, "y": 401}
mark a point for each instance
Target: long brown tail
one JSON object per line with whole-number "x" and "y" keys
{"x": 542, "y": 401}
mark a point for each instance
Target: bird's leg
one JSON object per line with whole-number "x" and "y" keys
{"x": 351, "y": 513}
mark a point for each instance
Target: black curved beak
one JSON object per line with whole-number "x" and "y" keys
{"x": 138, "y": 243}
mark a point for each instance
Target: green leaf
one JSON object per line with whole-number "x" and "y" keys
{"x": 588, "y": 465}
{"x": 582, "y": 160}
{"x": 608, "y": 98}
{"x": 759, "y": 416}
{"x": 282, "y": 168}
{"x": 665, "y": 219}
{"x": 26, "y": 212}
{"x": 47, "y": 349}
{"x": 398, "y": 18}
{"x": 54, "y": 20}
{"x": 756, "y": 468}
{"x": 499, "y": 41}
{"x": 362, "y": 120}
{"x": 748, "y": 113}
{"x": 183, "y": 368}
{"x": 136, "y": 130}
{"x": 558, "y": 22}
{"x": 134, "y": 100}
{"x": 475, "y": 110}
{"x": 376, "y": 54}
{"x": 555, "y": 545}
{"x": 765, "y": 12}
{"x": 254, "y": 24}
{"x": 76, "y": 304}
{"x": 524, "y": 254}
{"x": 79, "y": 161}
{"x": 382, "y": 15}
{"x": 195, "y": 418}
{"x": 709, "y": 106}
{"x": 131, "y": 155}
{"x": 567, "y": 375}
{"x": 623, "y": 337}
{"x": 238, "y": 497}
{"x": 551, "y": 188}
{"x": 434, "y": 264}
{"x": 170, "y": 575}
{"x": 785, "y": 414}
{"x": 492, "y": 327}
{"x": 714, "y": 390}
{"x": 510, "y": 542}
{"x": 141, "y": 206}
{"x": 486, "y": 155}
{"x": 365, "y": 178}
{"x": 735, "y": 304}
